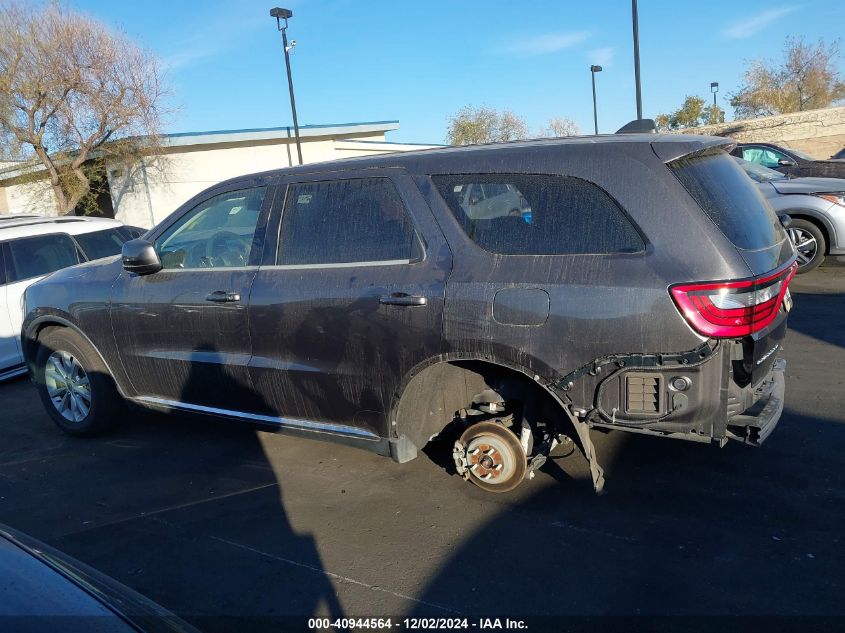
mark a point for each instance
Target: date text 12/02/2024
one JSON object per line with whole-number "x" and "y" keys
{"x": 413, "y": 624}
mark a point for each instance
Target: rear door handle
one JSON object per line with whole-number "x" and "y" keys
{"x": 402, "y": 299}
{"x": 221, "y": 296}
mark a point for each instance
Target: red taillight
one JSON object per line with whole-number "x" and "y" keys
{"x": 731, "y": 309}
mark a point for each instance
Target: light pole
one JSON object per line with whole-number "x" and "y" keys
{"x": 593, "y": 70}
{"x": 714, "y": 88}
{"x": 284, "y": 14}
{"x": 637, "y": 58}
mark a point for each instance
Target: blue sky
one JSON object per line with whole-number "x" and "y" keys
{"x": 419, "y": 62}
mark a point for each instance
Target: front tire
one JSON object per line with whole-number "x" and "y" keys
{"x": 809, "y": 241}
{"x": 74, "y": 385}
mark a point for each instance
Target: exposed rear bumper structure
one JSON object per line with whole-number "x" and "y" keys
{"x": 757, "y": 423}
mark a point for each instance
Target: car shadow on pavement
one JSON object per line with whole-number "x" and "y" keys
{"x": 187, "y": 510}
{"x": 820, "y": 315}
{"x": 690, "y": 531}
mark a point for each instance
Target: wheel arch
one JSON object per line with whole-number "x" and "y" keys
{"x": 435, "y": 390}
{"x": 818, "y": 219}
{"x": 35, "y": 329}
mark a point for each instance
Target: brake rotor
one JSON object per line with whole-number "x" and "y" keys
{"x": 493, "y": 458}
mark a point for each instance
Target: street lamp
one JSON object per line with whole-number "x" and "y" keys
{"x": 593, "y": 70}
{"x": 636, "y": 23}
{"x": 714, "y": 88}
{"x": 280, "y": 15}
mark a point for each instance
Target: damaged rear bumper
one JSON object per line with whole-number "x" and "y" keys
{"x": 756, "y": 424}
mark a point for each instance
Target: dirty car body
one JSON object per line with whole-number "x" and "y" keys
{"x": 594, "y": 310}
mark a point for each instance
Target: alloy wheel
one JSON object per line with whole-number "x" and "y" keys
{"x": 805, "y": 244}
{"x": 68, "y": 386}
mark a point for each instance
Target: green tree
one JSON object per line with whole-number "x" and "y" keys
{"x": 690, "y": 114}
{"x": 712, "y": 115}
{"x": 805, "y": 79}
{"x": 473, "y": 125}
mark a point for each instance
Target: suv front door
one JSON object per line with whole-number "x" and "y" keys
{"x": 182, "y": 332}
{"x": 351, "y": 302}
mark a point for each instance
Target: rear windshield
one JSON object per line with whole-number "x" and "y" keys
{"x": 729, "y": 198}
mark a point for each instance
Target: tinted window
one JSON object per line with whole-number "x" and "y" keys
{"x": 538, "y": 215}
{"x": 346, "y": 221}
{"x": 41, "y": 255}
{"x": 729, "y": 198}
{"x": 217, "y": 233}
{"x": 100, "y": 244}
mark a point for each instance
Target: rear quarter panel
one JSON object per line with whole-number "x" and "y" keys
{"x": 599, "y": 304}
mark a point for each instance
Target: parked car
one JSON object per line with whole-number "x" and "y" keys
{"x": 840, "y": 155}
{"x": 42, "y": 589}
{"x": 816, "y": 207}
{"x": 32, "y": 246}
{"x": 358, "y": 300}
{"x": 788, "y": 161}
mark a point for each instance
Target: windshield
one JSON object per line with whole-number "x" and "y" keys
{"x": 759, "y": 173}
{"x": 101, "y": 244}
{"x": 801, "y": 154}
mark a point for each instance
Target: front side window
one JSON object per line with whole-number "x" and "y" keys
{"x": 762, "y": 156}
{"x": 41, "y": 255}
{"x": 217, "y": 233}
{"x": 346, "y": 221}
{"x": 531, "y": 214}
{"x": 101, "y": 244}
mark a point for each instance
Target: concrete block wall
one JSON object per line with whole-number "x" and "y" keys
{"x": 820, "y": 133}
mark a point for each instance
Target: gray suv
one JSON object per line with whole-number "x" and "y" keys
{"x": 362, "y": 301}
{"x": 816, "y": 207}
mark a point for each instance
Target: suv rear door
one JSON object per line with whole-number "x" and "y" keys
{"x": 349, "y": 302}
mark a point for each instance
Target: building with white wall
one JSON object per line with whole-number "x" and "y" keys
{"x": 148, "y": 190}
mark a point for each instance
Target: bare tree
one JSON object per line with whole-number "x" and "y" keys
{"x": 473, "y": 125}
{"x": 806, "y": 79}
{"x": 73, "y": 92}
{"x": 560, "y": 126}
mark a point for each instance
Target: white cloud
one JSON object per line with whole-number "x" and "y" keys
{"x": 546, "y": 43}
{"x": 187, "y": 58}
{"x": 601, "y": 56}
{"x": 752, "y": 25}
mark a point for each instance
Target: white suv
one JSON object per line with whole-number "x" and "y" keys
{"x": 33, "y": 246}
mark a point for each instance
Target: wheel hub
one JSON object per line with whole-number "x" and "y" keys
{"x": 68, "y": 386}
{"x": 490, "y": 455}
{"x": 485, "y": 461}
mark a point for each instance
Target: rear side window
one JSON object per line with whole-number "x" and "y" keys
{"x": 41, "y": 255}
{"x": 729, "y": 198}
{"x": 101, "y": 244}
{"x": 527, "y": 214}
{"x": 346, "y": 221}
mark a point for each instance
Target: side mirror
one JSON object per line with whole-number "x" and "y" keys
{"x": 785, "y": 220}
{"x": 786, "y": 162}
{"x": 140, "y": 257}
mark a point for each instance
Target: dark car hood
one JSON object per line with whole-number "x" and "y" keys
{"x": 809, "y": 185}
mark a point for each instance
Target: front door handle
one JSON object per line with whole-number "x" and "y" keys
{"x": 402, "y": 299}
{"x": 221, "y": 296}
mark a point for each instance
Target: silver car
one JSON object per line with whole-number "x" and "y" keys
{"x": 816, "y": 206}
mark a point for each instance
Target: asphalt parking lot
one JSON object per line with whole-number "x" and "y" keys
{"x": 219, "y": 522}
